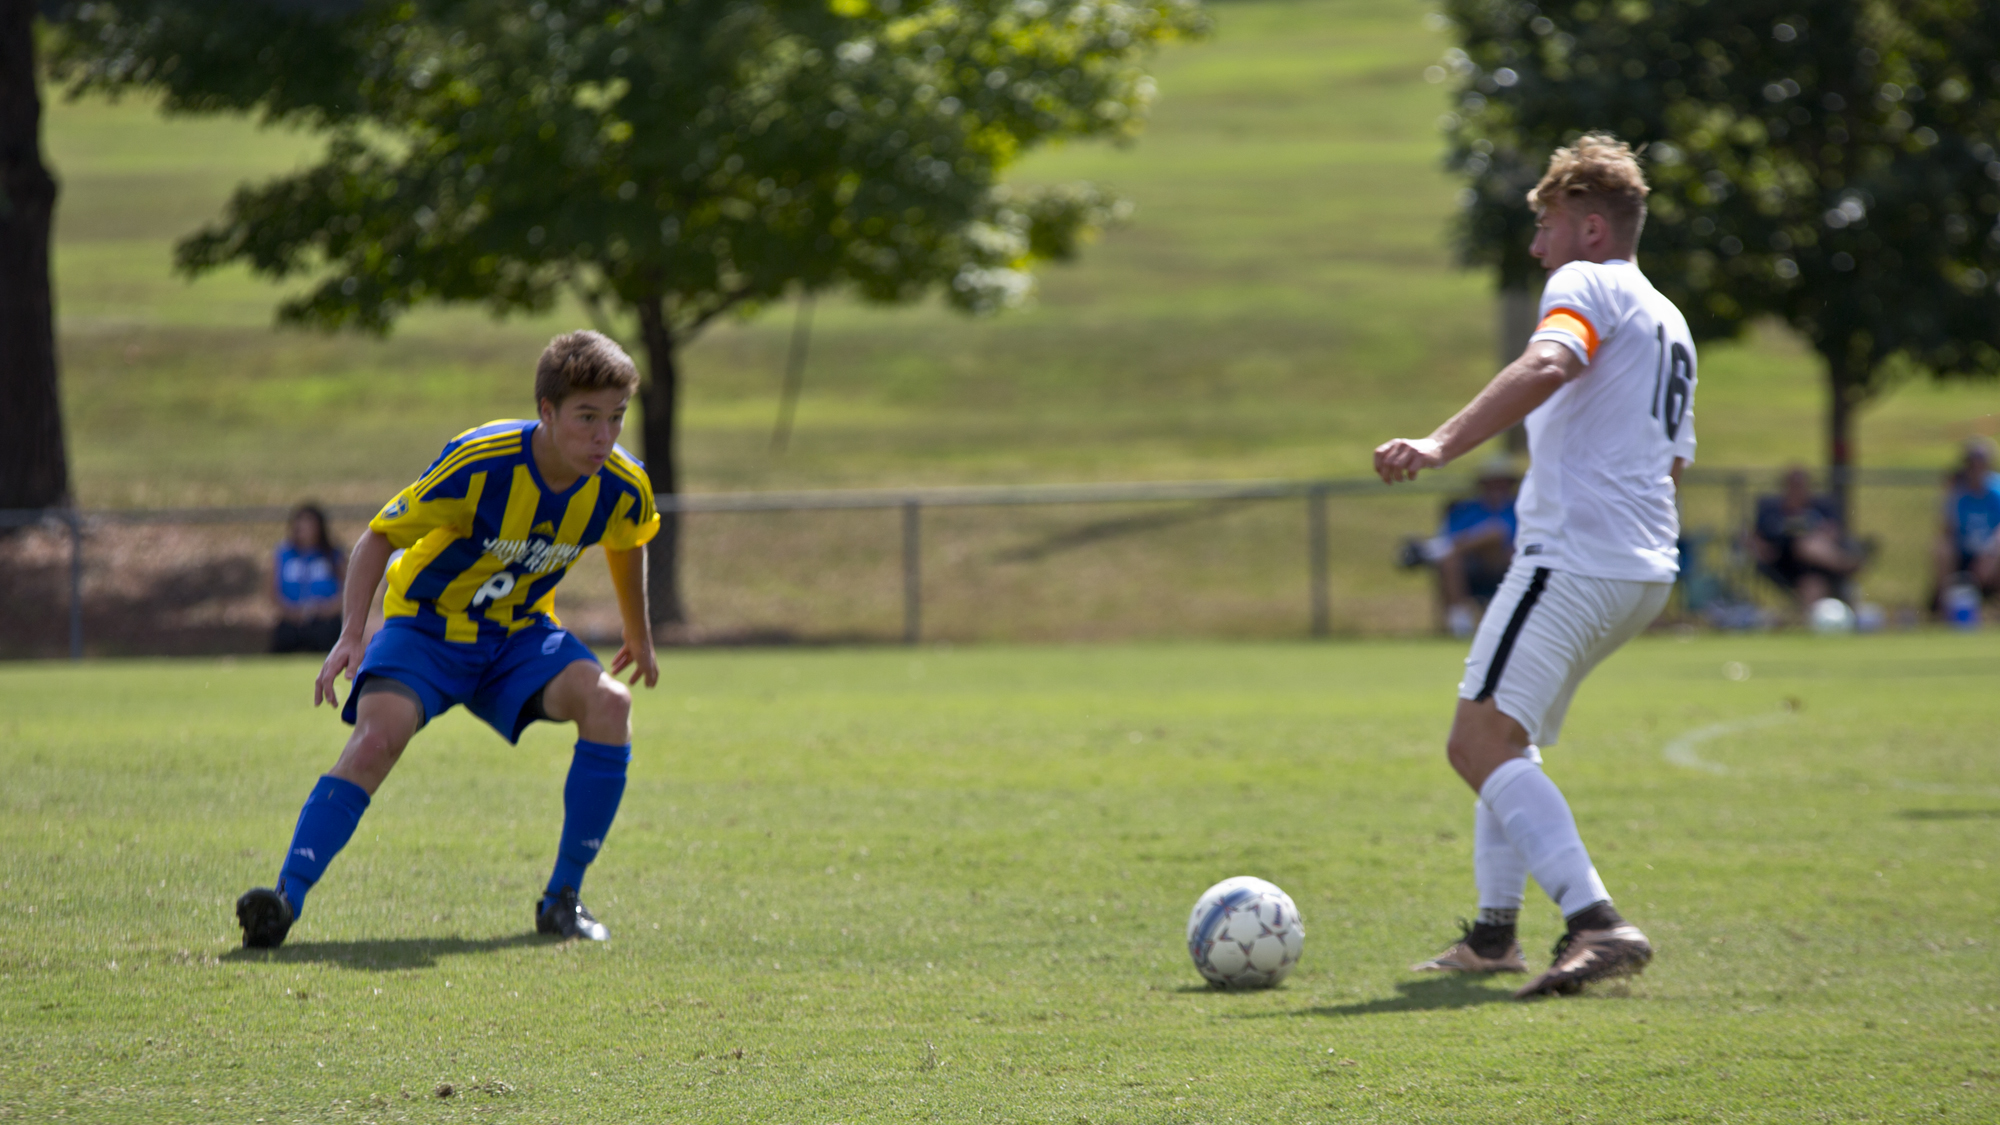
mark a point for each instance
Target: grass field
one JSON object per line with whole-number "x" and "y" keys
{"x": 950, "y": 886}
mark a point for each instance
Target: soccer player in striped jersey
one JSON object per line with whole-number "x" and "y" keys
{"x": 473, "y": 551}
{"x": 1606, "y": 386}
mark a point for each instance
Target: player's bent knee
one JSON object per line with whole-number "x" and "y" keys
{"x": 371, "y": 752}
{"x": 382, "y": 742}
{"x": 613, "y": 701}
{"x": 607, "y": 711}
{"x": 1460, "y": 752}
{"x": 1480, "y": 741}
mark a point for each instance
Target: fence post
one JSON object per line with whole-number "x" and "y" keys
{"x": 1741, "y": 569}
{"x": 1316, "y": 561}
{"x": 913, "y": 577}
{"x": 75, "y": 583}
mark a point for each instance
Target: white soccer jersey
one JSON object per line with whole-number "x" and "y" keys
{"x": 1599, "y": 498}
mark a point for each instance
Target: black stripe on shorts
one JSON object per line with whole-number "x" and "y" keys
{"x": 1506, "y": 647}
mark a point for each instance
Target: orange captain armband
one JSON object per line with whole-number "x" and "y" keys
{"x": 1574, "y": 323}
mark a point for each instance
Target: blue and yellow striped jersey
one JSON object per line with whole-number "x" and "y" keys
{"x": 484, "y": 541}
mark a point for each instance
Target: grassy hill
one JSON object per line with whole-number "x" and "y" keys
{"x": 1283, "y": 300}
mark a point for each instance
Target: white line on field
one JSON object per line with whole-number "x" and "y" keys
{"x": 1681, "y": 751}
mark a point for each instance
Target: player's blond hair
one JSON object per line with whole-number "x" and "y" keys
{"x": 1601, "y": 174}
{"x": 578, "y": 362}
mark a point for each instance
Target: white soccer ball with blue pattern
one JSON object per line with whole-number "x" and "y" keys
{"x": 1245, "y": 933}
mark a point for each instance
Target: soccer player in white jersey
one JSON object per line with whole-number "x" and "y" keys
{"x": 1606, "y": 386}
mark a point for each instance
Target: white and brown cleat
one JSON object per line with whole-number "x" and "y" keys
{"x": 1462, "y": 958}
{"x": 1591, "y": 955}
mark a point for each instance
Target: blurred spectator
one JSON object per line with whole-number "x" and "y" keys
{"x": 1799, "y": 542}
{"x": 306, "y": 580}
{"x": 1473, "y": 546}
{"x": 1968, "y": 547}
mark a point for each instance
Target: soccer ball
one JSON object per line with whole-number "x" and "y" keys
{"x": 1244, "y": 933}
{"x": 1831, "y": 615}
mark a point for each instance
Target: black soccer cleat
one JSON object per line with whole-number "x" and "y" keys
{"x": 568, "y": 919}
{"x": 265, "y": 917}
{"x": 1591, "y": 955}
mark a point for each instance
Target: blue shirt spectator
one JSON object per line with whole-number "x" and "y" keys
{"x": 1973, "y": 512}
{"x": 1482, "y": 511}
{"x": 1783, "y": 520}
{"x": 1968, "y": 545}
{"x": 306, "y": 578}
{"x": 1472, "y": 549}
{"x": 1800, "y": 544}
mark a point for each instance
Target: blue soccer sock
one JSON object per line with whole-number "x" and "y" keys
{"x": 590, "y": 802}
{"x": 325, "y": 825}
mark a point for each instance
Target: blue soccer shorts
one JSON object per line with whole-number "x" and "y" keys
{"x": 494, "y": 679}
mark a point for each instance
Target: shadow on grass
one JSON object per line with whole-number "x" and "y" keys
{"x": 1431, "y": 994}
{"x": 1950, "y": 814}
{"x": 388, "y": 953}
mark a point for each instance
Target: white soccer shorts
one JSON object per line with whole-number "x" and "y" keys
{"x": 1543, "y": 633}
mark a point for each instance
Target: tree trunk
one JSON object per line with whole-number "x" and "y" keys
{"x": 34, "y": 466}
{"x": 1517, "y": 308}
{"x": 1843, "y": 402}
{"x": 660, "y": 402}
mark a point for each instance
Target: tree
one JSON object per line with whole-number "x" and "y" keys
{"x": 668, "y": 160}
{"x": 34, "y": 468}
{"x": 1827, "y": 162}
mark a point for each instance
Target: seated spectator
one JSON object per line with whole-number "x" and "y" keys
{"x": 1799, "y": 542}
{"x": 306, "y": 580}
{"x": 1472, "y": 548}
{"x": 1968, "y": 548}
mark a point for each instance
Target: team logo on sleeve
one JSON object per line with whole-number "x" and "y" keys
{"x": 395, "y": 509}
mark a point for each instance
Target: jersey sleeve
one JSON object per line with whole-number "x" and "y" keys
{"x": 1573, "y": 313}
{"x": 436, "y": 499}
{"x": 1684, "y": 441}
{"x": 634, "y": 520}
{"x": 1684, "y": 438}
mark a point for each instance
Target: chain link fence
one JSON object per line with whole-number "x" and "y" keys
{"x": 1200, "y": 559}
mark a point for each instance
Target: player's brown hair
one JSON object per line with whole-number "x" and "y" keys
{"x": 575, "y": 362}
{"x": 1601, "y": 174}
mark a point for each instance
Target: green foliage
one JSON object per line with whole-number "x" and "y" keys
{"x": 701, "y": 155}
{"x": 674, "y": 160}
{"x": 301, "y": 59}
{"x": 951, "y": 886}
{"x": 1826, "y": 162}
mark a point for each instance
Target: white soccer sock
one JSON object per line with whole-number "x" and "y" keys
{"x": 1537, "y": 821}
{"x": 1497, "y": 867}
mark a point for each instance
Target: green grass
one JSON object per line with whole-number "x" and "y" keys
{"x": 950, "y": 885}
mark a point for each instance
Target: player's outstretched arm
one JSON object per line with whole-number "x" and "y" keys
{"x": 364, "y": 576}
{"x": 628, "y": 577}
{"x": 1513, "y": 394}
